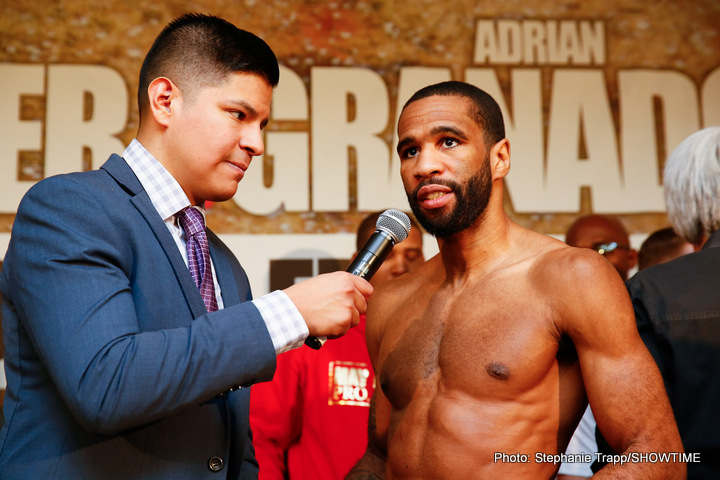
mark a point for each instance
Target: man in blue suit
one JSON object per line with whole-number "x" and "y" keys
{"x": 116, "y": 368}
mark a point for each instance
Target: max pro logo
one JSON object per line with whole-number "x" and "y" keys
{"x": 349, "y": 383}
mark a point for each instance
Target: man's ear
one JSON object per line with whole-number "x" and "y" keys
{"x": 500, "y": 159}
{"x": 163, "y": 95}
{"x": 702, "y": 238}
{"x": 632, "y": 258}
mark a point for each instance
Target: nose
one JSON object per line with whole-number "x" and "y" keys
{"x": 251, "y": 140}
{"x": 396, "y": 265}
{"x": 428, "y": 164}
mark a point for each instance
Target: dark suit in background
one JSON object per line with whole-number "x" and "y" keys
{"x": 679, "y": 321}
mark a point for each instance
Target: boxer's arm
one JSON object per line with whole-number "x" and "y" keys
{"x": 623, "y": 384}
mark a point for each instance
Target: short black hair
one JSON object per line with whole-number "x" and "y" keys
{"x": 486, "y": 111}
{"x": 658, "y": 247}
{"x": 197, "y": 50}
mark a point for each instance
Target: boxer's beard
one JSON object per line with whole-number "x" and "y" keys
{"x": 470, "y": 202}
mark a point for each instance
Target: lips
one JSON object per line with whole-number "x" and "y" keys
{"x": 434, "y": 196}
{"x": 239, "y": 166}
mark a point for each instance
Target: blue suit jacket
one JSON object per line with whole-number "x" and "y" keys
{"x": 113, "y": 365}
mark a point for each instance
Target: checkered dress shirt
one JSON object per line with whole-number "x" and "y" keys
{"x": 283, "y": 320}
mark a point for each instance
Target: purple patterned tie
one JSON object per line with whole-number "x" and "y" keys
{"x": 198, "y": 253}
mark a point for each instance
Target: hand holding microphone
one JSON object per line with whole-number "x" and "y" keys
{"x": 391, "y": 228}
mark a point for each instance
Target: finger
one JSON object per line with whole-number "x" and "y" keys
{"x": 344, "y": 327}
{"x": 362, "y": 286}
{"x": 360, "y": 303}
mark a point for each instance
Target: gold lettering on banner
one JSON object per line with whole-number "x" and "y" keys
{"x": 540, "y": 42}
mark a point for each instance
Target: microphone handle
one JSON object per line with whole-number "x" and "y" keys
{"x": 372, "y": 255}
{"x": 364, "y": 265}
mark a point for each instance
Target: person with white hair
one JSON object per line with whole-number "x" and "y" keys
{"x": 677, "y": 303}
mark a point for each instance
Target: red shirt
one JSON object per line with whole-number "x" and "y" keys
{"x": 315, "y": 410}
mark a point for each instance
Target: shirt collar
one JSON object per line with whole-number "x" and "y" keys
{"x": 714, "y": 240}
{"x": 166, "y": 194}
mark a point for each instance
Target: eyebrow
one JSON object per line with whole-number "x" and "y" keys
{"x": 435, "y": 131}
{"x": 249, "y": 108}
{"x": 245, "y": 105}
{"x": 403, "y": 142}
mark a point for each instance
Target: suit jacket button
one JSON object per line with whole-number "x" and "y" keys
{"x": 215, "y": 464}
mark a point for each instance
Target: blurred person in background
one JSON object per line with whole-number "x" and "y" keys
{"x": 607, "y": 236}
{"x": 662, "y": 246}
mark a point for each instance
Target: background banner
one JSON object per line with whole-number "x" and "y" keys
{"x": 595, "y": 95}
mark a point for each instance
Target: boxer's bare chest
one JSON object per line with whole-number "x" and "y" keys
{"x": 486, "y": 338}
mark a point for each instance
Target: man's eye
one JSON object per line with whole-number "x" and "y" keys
{"x": 449, "y": 142}
{"x": 412, "y": 255}
{"x": 410, "y": 152}
{"x": 237, "y": 114}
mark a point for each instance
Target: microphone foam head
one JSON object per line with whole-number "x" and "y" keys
{"x": 395, "y": 223}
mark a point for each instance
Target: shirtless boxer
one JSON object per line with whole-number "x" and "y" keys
{"x": 486, "y": 352}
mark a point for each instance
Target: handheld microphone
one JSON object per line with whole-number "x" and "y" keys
{"x": 392, "y": 227}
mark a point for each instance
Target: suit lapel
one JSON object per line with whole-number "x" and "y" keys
{"x": 123, "y": 174}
